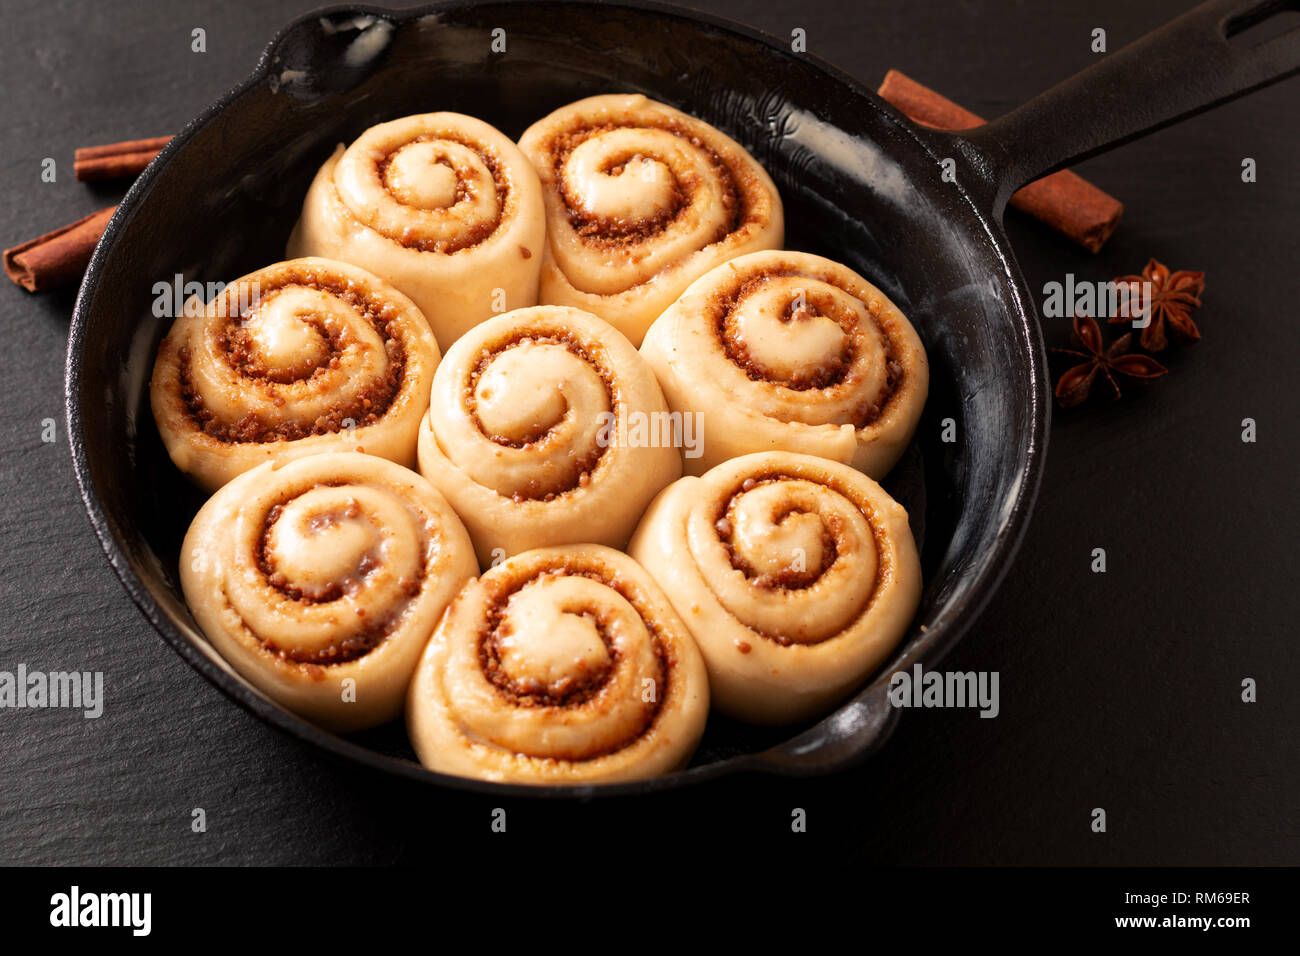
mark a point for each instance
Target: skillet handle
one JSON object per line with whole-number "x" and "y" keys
{"x": 842, "y": 740}
{"x": 1183, "y": 68}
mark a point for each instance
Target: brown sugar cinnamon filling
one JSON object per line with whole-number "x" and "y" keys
{"x": 578, "y": 472}
{"x": 610, "y": 232}
{"x": 838, "y": 374}
{"x": 464, "y": 192}
{"x": 792, "y": 579}
{"x": 352, "y": 646}
{"x": 570, "y": 691}
{"x": 364, "y": 407}
{"x": 579, "y": 689}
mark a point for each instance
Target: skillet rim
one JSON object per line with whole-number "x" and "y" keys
{"x": 948, "y": 630}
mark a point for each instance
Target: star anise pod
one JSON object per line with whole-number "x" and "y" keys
{"x": 1174, "y": 295}
{"x": 1076, "y": 383}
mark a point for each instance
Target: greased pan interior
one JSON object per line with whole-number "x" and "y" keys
{"x": 859, "y": 186}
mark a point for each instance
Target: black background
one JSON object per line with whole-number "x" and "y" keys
{"x": 1119, "y": 690}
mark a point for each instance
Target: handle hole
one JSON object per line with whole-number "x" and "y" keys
{"x": 1264, "y": 23}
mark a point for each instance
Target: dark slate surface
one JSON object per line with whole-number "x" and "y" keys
{"x": 1119, "y": 690}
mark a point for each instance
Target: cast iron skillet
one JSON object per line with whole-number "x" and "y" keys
{"x": 860, "y": 183}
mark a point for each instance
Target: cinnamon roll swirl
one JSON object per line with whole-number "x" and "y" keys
{"x": 320, "y": 581}
{"x": 561, "y": 665}
{"x": 796, "y": 575}
{"x": 301, "y": 357}
{"x": 443, "y": 206}
{"x": 642, "y": 199}
{"x": 545, "y": 427}
{"x": 789, "y": 351}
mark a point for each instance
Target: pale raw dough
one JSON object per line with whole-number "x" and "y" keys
{"x": 532, "y": 432}
{"x": 641, "y": 199}
{"x": 298, "y": 358}
{"x": 291, "y": 565}
{"x": 796, "y": 575}
{"x": 443, "y": 206}
{"x": 594, "y": 677}
{"x": 793, "y": 352}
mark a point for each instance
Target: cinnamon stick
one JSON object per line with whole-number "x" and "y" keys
{"x": 116, "y": 160}
{"x": 58, "y": 257}
{"x": 1064, "y": 201}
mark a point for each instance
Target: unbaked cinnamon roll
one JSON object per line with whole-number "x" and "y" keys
{"x": 321, "y": 580}
{"x": 301, "y": 357}
{"x": 561, "y": 665}
{"x": 790, "y": 351}
{"x": 443, "y": 206}
{"x": 641, "y": 199}
{"x": 545, "y": 427}
{"x": 796, "y": 575}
